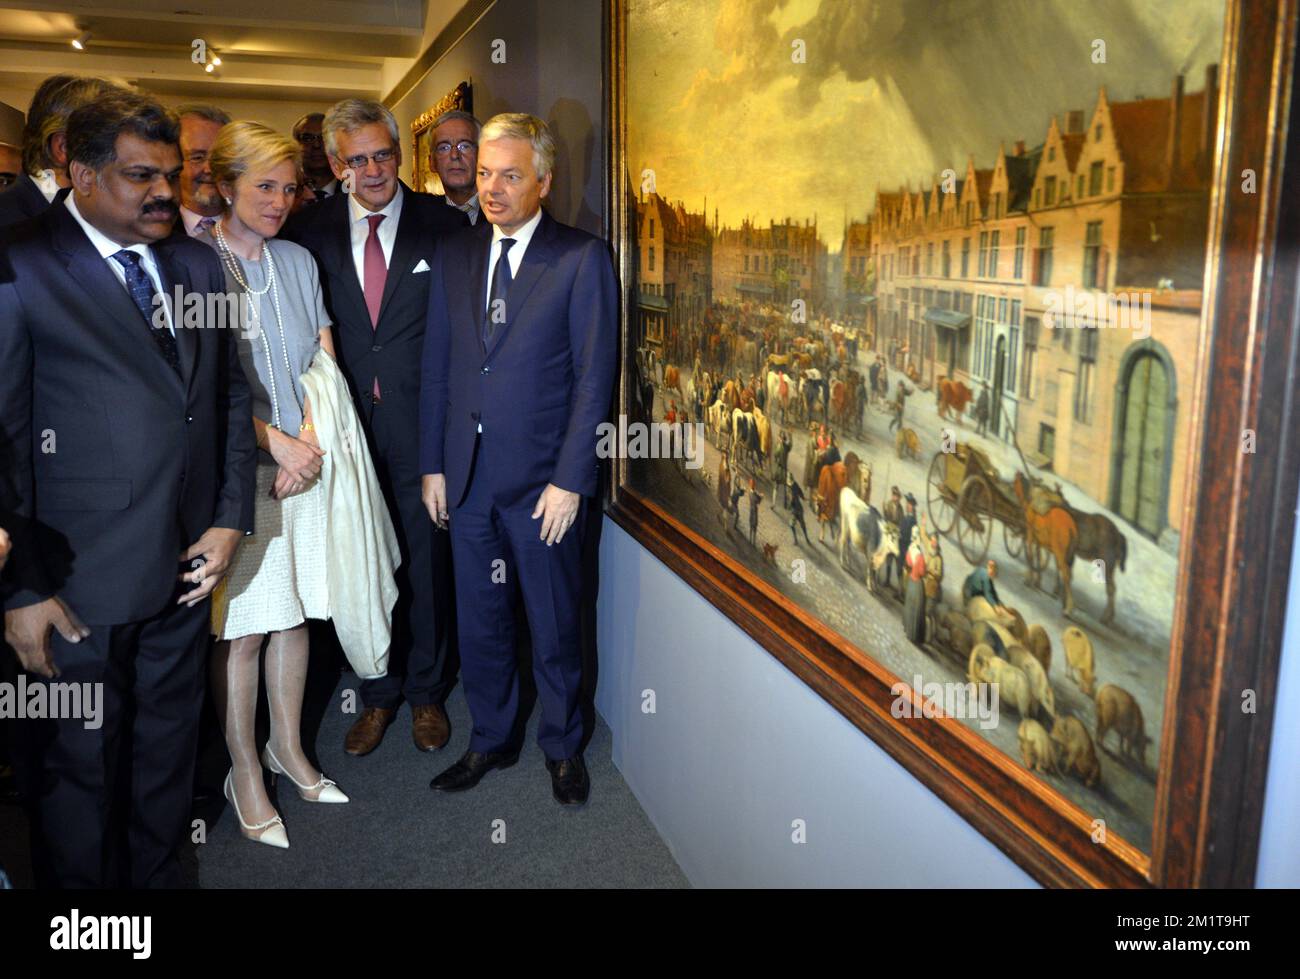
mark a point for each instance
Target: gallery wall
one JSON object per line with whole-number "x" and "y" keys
{"x": 739, "y": 758}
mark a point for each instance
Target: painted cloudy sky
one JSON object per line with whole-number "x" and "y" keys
{"x": 892, "y": 89}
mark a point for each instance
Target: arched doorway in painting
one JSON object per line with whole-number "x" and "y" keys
{"x": 1146, "y": 410}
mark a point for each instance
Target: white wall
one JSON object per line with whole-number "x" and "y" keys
{"x": 739, "y": 747}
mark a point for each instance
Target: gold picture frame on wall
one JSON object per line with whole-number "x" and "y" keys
{"x": 423, "y": 176}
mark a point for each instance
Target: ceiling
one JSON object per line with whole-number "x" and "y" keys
{"x": 270, "y": 49}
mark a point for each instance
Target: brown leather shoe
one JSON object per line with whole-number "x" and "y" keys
{"x": 430, "y": 727}
{"x": 368, "y": 730}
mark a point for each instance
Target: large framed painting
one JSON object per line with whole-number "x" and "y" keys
{"x": 424, "y": 176}
{"x": 959, "y": 369}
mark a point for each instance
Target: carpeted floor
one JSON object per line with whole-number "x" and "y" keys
{"x": 396, "y": 832}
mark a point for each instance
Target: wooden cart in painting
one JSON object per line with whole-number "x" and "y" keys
{"x": 965, "y": 497}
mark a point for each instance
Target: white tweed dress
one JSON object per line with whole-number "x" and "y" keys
{"x": 278, "y": 577}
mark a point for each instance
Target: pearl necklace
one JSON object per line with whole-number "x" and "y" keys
{"x": 232, "y": 264}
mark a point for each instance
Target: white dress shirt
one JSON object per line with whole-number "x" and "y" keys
{"x": 361, "y": 231}
{"x": 516, "y": 254}
{"x": 107, "y": 248}
{"x": 48, "y": 184}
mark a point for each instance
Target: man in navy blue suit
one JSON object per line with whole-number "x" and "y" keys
{"x": 519, "y": 363}
{"x": 126, "y": 478}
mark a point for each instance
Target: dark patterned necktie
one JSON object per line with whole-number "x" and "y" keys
{"x": 142, "y": 294}
{"x": 501, "y": 279}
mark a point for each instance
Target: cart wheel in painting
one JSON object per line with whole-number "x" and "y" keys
{"x": 975, "y": 519}
{"x": 942, "y": 512}
{"x": 1014, "y": 538}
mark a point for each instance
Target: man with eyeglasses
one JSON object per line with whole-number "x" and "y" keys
{"x": 200, "y": 199}
{"x": 455, "y": 157}
{"x": 315, "y": 164}
{"x": 374, "y": 243}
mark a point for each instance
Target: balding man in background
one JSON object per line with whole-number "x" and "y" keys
{"x": 200, "y": 199}
{"x": 45, "y": 145}
{"x": 315, "y": 164}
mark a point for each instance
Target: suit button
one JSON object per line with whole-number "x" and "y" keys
{"x": 474, "y": 415}
{"x": 376, "y": 348}
{"x": 189, "y": 419}
{"x": 486, "y": 369}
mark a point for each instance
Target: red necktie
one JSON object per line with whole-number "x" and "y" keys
{"x": 375, "y": 271}
{"x": 374, "y": 277}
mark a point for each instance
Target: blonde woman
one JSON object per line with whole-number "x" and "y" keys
{"x": 278, "y": 578}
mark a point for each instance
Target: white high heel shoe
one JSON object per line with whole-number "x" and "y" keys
{"x": 325, "y": 790}
{"x": 271, "y": 831}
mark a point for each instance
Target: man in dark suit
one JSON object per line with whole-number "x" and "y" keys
{"x": 519, "y": 366}
{"x": 45, "y": 154}
{"x": 127, "y": 478}
{"x": 375, "y": 245}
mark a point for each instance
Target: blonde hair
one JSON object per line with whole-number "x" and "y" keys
{"x": 520, "y": 125}
{"x": 245, "y": 146}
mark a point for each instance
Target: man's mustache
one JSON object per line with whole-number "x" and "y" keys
{"x": 161, "y": 207}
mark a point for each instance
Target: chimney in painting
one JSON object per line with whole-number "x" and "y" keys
{"x": 1074, "y": 121}
{"x": 1175, "y": 132}
{"x": 1209, "y": 121}
{"x": 1020, "y": 147}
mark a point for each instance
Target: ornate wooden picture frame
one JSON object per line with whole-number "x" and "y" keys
{"x": 1235, "y": 509}
{"x": 423, "y": 176}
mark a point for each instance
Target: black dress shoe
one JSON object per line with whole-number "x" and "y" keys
{"x": 569, "y": 781}
{"x": 471, "y": 768}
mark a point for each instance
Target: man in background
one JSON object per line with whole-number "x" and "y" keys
{"x": 375, "y": 247}
{"x": 45, "y": 145}
{"x": 200, "y": 199}
{"x": 315, "y": 164}
{"x": 455, "y": 157}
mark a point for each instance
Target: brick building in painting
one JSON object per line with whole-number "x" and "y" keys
{"x": 973, "y": 273}
{"x": 675, "y": 267}
{"x": 858, "y": 278}
{"x": 776, "y": 264}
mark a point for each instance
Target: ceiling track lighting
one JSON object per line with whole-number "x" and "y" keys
{"x": 80, "y": 41}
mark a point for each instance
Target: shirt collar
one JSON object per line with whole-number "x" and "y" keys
{"x": 469, "y": 207}
{"x": 392, "y": 210}
{"x": 103, "y": 244}
{"x": 521, "y": 237}
{"x": 48, "y": 184}
{"x": 191, "y": 219}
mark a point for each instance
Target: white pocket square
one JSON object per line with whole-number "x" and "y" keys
{"x": 422, "y": 267}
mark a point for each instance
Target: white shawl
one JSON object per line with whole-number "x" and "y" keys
{"x": 361, "y": 544}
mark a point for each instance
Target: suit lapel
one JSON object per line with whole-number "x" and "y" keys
{"x": 186, "y": 341}
{"x": 338, "y": 236}
{"x": 534, "y": 263}
{"x": 476, "y": 276}
{"x": 403, "y": 246}
{"x": 128, "y": 332}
